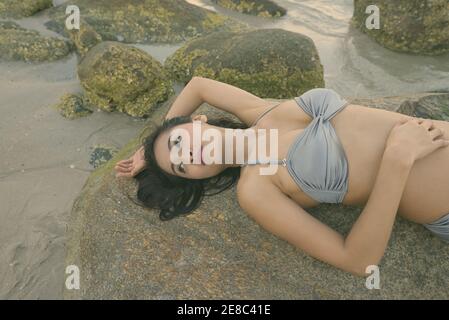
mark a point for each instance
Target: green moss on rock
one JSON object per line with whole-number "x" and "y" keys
{"x": 261, "y": 8}
{"x": 268, "y": 63}
{"x": 145, "y": 21}
{"x": 84, "y": 38}
{"x": 22, "y": 8}
{"x": 72, "y": 106}
{"x": 101, "y": 154}
{"x": 420, "y": 27}
{"x": 17, "y": 43}
{"x": 117, "y": 77}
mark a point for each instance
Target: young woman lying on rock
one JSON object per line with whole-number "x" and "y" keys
{"x": 328, "y": 151}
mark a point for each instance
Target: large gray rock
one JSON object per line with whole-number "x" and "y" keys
{"x": 125, "y": 252}
{"x": 268, "y": 62}
{"x": 118, "y": 77}
{"x": 145, "y": 21}
{"x": 420, "y": 27}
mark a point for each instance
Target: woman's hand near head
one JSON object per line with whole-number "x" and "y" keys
{"x": 132, "y": 166}
{"x": 416, "y": 138}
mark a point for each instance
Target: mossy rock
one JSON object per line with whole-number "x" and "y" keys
{"x": 72, "y": 106}
{"x": 17, "y": 43}
{"x": 118, "y": 77}
{"x": 124, "y": 251}
{"x": 261, "y": 8}
{"x": 268, "y": 63}
{"x": 430, "y": 106}
{"x": 84, "y": 38}
{"x": 101, "y": 154}
{"x": 145, "y": 21}
{"x": 420, "y": 27}
{"x": 22, "y": 8}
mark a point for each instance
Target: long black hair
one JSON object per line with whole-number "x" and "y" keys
{"x": 173, "y": 195}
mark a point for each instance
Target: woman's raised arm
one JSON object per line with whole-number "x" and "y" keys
{"x": 218, "y": 94}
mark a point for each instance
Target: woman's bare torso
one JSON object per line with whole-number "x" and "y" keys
{"x": 363, "y": 132}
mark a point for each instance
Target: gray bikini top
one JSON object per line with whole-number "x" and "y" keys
{"x": 316, "y": 159}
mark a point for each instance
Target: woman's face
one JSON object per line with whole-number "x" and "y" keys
{"x": 177, "y": 140}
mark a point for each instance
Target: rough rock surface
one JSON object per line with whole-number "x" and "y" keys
{"x": 145, "y": 21}
{"x": 261, "y": 8}
{"x": 125, "y": 252}
{"x": 118, "y": 77}
{"x": 420, "y": 27}
{"x": 268, "y": 63}
{"x": 22, "y": 8}
{"x": 17, "y": 43}
{"x": 101, "y": 154}
{"x": 84, "y": 38}
{"x": 72, "y": 106}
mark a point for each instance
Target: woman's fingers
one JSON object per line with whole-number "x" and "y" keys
{"x": 123, "y": 169}
{"x": 427, "y": 123}
{"x": 124, "y": 165}
{"x": 440, "y": 143}
{"x": 130, "y": 160}
{"x": 435, "y": 132}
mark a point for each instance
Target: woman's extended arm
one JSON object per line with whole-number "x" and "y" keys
{"x": 368, "y": 238}
{"x": 218, "y": 94}
{"x": 366, "y": 242}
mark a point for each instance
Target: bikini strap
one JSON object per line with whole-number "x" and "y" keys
{"x": 264, "y": 113}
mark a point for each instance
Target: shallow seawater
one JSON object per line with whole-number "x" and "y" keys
{"x": 44, "y": 158}
{"x": 354, "y": 65}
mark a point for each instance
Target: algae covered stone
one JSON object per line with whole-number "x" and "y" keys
{"x": 101, "y": 154}
{"x": 124, "y": 251}
{"x": 118, "y": 77}
{"x": 435, "y": 106}
{"x": 262, "y": 8}
{"x": 22, "y": 8}
{"x": 420, "y": 27}
{"x": 144, "y": 21}
{"x": 268, "y": 63}
{"x": 84, "y": 38}
{"x": 72, "y": 106}
{"x": 17, "y": 43}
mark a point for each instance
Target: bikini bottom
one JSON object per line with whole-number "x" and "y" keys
{"x": 440, "y": 227}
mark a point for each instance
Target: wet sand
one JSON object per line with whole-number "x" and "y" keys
{"x": 44, "y": 158}
{"x": 43, "y": 165}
